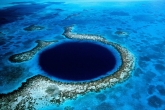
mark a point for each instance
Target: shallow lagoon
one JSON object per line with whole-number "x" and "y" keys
{"x": 135, "y": 25}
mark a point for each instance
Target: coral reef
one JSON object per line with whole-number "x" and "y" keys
{"x": 53, "y": 90}
{"x": 101, "y": 97}
{"x": 104, "y": 106}
{"x": 155, "y": 101}
{"x": 69, "y": 108}
{"x": 121, "y": 33}
{"x": 11, "y": 74}
{"x": 25, "y": 56}
{"x": 2, "y": 34}
{"x": 119, "y": 13}
{"x": 33, "y": 28}
{"x": 38, "y": 88}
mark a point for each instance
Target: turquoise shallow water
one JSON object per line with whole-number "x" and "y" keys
{"x": 143, "y": 21}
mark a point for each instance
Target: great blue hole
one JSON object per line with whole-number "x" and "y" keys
{"x": 77, "y": 61}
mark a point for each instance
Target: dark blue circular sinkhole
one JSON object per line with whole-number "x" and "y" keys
{"x": 77, "y": 61}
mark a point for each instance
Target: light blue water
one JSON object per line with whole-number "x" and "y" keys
{"x": 144, "y": 21}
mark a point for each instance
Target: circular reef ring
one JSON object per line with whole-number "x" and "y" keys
{"x": 42, "y": 89}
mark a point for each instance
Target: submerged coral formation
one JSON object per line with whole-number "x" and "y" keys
{"x": 46, "y": 91}
{"x": 53, "y": 90}
{"x": 33, "y": 28}
{"x": 121, "y": 33}
{"x": 25, "y": 56}
{"x": 1, "y": 34}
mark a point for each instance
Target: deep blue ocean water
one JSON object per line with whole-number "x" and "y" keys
{"x": 144, "y": 21}
{"x": 77, "y": 61}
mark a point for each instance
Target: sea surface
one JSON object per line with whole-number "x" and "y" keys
{"x": 138, "y": 26}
